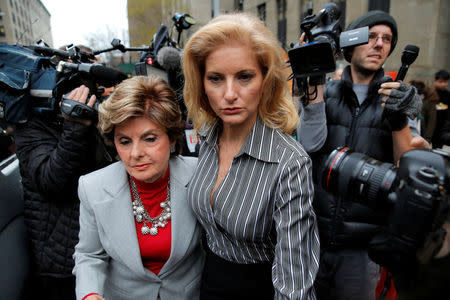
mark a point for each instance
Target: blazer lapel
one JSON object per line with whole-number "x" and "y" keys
{"x": 115, "y": 216}
{"x": 183, "y": 220}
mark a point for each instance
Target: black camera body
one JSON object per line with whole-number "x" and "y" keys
{"x": 92, "y": 75}
{"x": 413, "y": 196}
{"x": 325, "y": 39}
{"x": 310, "y": 62}
{"x": 318, "y": 56}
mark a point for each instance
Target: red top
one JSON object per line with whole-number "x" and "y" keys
{"x": 155, "y": 249}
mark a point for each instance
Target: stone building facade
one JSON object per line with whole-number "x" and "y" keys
{"x": 24, "y": 22}
{"x": 425, "y": 23}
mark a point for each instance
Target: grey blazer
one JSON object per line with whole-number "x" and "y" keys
{"x": 107, "y": 256}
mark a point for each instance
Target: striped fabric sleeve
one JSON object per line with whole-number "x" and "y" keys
{"x": 297, "y": 250}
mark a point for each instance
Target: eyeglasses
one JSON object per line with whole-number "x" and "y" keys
{"x": 385, "y": 38}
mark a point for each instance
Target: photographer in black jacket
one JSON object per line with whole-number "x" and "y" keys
{"x": 53, "y": 153}
{"x": 368, "y": 113}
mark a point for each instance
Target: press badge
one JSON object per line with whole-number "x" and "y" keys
{"x": 191, "y": 139}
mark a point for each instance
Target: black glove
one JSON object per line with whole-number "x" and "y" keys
{"x": 403, "y": 103}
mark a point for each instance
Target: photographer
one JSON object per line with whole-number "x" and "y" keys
{"x": 367, "y": 112}
{"x": 53, "y": 153}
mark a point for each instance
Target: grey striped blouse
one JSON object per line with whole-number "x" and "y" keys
{"x": 262, "y": 211}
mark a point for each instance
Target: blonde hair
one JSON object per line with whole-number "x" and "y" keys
{"x": 139, "y": 96}
{"x": 276, "y": 108}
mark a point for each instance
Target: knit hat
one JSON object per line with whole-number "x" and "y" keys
{"x": 372, "y": 18}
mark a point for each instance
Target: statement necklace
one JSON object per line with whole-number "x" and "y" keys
{"x": 141, "y": 214}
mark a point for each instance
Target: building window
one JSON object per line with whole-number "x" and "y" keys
{"x": 281, "y": 20}
{"x": 383, "y": 5}
{"x": 13, "y": 18}
{"x": 262, "y": 12}
{"x": 239, "y": 5}
{"x": 2, "y": 30}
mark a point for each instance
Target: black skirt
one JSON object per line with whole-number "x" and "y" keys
{"x": 225, "y": 280}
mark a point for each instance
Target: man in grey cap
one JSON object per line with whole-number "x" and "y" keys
{"x": 372, "y": 115}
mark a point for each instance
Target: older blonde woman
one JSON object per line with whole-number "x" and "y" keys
{"x": 138, "y": 237}
{"x": 252, "y": 190}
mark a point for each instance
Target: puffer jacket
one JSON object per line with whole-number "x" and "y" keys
{"x": 343, "y": 222}
{"x": 52, "y": 156}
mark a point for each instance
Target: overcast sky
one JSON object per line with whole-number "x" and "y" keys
{"x": 73, "y": 21}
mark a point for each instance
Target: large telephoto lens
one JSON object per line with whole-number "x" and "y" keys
{"x": 359, "y": 177}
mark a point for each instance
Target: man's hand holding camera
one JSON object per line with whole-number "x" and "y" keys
{"x": 80, "y": 95}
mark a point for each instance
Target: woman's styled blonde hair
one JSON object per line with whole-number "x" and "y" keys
{"x": 276, "y": 108}
{"x": 141, "y": 96}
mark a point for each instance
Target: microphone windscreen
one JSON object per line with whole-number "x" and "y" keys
{"x": 107, "y": 77}
{"x": 333, "y": 10}
{"x": 169, "y": 58}
{"x": 410, "y": 54}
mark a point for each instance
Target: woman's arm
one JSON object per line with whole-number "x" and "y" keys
{"x": 297, "y": 250}
{"x": 91, "y": 260}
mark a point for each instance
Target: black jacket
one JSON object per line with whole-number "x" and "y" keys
{"x": 53, "y": 155}
{"x": 441, "y": 135}
{"x": 343, "y": 222}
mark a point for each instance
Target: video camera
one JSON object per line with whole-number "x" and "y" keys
{"x": 95, "y": 76}
{"x": 324, "y": 39}
{"x": 317, "y": 56}
{"x": 34, "y": 79}
{"x": 163, "y": 56}
{"x": 414, "y": 197}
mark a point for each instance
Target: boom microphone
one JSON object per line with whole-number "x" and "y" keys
{"x": 409, "y": 55}
{"x": 169, "y": 58}
{"x": 104, "y": 76}
{"x": 107, "y": 77}
{"x": 47, "y": 51}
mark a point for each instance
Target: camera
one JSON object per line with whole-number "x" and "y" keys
{"x": 95, "y": 76}
{"x": 325, "y": 39}
{"x": 317, "y": 56}
{"x": 413, "y": 196}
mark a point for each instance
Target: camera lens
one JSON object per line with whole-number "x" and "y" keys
{"x": 358, "y": 176}
{"x": 326, "y": 38}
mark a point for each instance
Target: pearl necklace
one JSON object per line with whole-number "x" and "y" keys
{"x": 141, "y": 214}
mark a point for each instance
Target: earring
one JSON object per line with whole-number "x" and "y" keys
{"x": 172, "y": 148}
